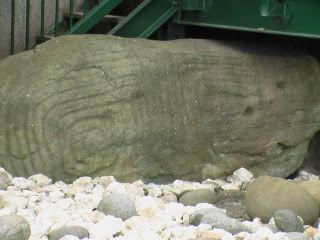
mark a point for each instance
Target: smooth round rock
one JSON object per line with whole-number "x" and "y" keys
{"x": 118, "y": 205}
{"x": 193, "y": 197}
{"x": 14, "y": 227}
{"x": 313, "y": 187}
{"x": 77, "y": 231}
{"x": 287, "y": 221}
{"x": 266, "y": 195}
{"x": 217, "y": 218}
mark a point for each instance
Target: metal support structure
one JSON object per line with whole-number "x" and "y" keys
{"x": 195, "y": 5}
{"x": 281, "y": 17}
{"x": 13, "y": 16}
{"x": 94, "y": 16}
{"x": 71, "y": 8}
{"x": 42, "y": 14}
{"x": 56, "y": 21}
{"x": 85, "y": 8}
{"x": 148, "y": 17}
{"x": 27, "y": 36}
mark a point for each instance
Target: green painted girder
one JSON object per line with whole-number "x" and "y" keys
{"x": 94, "y": 16}
{"x": 282, "y": 17}
{"x": 148, "y": 17}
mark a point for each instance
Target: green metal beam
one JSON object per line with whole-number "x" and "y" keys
{"x": 281, "y": 17}
{"x": 94, "y": 16}
{"x": 148, "y": 17}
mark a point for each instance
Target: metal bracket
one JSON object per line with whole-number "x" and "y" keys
{"x": 196, "y": 5}
{"x": 277, "y": 10}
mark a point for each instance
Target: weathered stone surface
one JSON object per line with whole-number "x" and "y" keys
{"x": 77, "y": 231}
{"x": 313, "y": 187}
{"x": 5, "y": 179}
{"x": 118, "y": 205}
{"x": 187, "y": 109}
{"x": 287, "y": 221}
{"x": 14, "y": 227}
{"x": 266, "y": 195}
{"x": 233, "y": 203}
{"x": 193, "y": 197}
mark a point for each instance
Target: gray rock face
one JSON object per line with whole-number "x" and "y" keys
{"x": 266, "y": 195}
{"x": 14, "y": 227}
{"x": 118, "y": 205}
{"x": 287, "y": 221}
{"x": 193, "y": 197}
{"x": 185, "y": 109}
{"x": 77, "y": 231}
{"x": 217, "y": 219}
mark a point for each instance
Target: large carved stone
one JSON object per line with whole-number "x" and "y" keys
{"x": 189, "y": 109}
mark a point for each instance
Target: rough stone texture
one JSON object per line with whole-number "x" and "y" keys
{"x": 313, "y": 187}
{"x": 186, "y": 109}
{"x": 77, "y": 231}
{"x": 287, "y": 221}
{"x": 118, "y": 205}
{"x": 233, "y": 203}
{"x": 266, "y": 195}
{"x": 5, "y": 179}
{"x": 193, "y": 197}
{"x": 14, "y": 227}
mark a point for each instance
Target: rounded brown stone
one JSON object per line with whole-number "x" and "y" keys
{"x": 266, "y": 195}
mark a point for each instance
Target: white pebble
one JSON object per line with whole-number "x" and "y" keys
{"x": 106, "y": 228}
{"x": 40, "y": 180}
{"x": 22, "y": 183}
{"x": 147, "y": 207}
{"x": 104, "y": 181}
{"x": 242, "y": 175}
{"x": 116, "y": 187}
{"x": 69, "y": 237}
{"x": 83, "y": 184}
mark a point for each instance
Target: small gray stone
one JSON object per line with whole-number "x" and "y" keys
{"x": 296, "y": 236}
{"x": 193, "y": 197}
{"x": 77, "y": 231}
{"x": 118, "y": 205}
{"x": 196, "y": 216}
{"x": 217, "y": 219}
{"x": 287, "y": 221}
{"x": 14, "y": 227}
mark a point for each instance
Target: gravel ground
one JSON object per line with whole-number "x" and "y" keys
{"x": 103, "y": 209}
